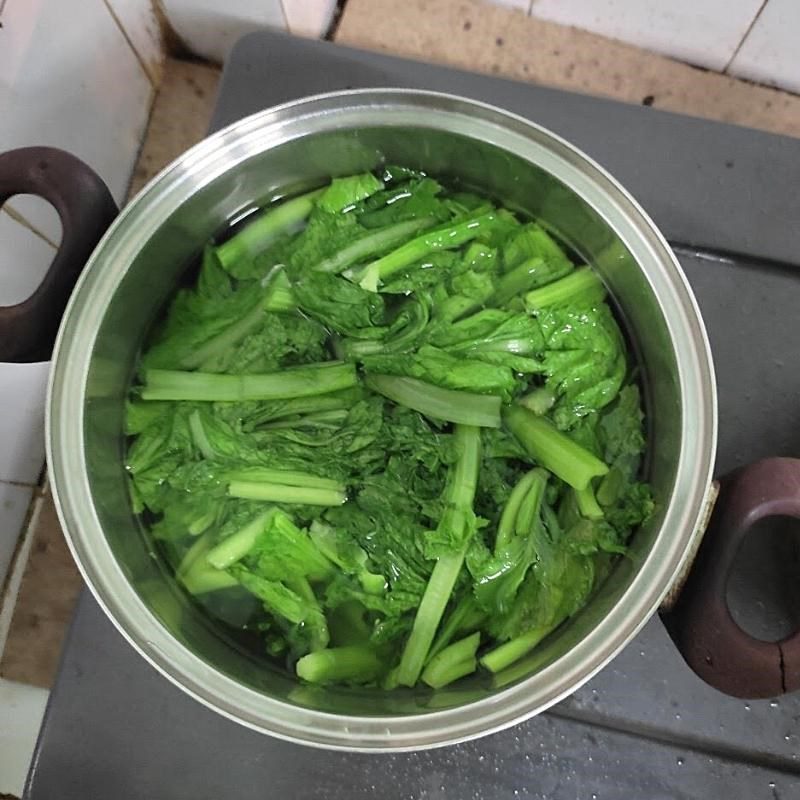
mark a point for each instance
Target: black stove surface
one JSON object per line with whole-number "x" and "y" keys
{"x": 646, "y": 727}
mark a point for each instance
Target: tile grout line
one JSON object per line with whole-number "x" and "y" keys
{"x": 36, "y": 487}
{"x": 22, "y": 220}
{"x": 13, "y": 582}
{"x": 151, "y": 78}
{"x": 282, "y": 4}
{"x": 724, "y": 70}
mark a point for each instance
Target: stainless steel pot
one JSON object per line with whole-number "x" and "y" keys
{"x": 136, "y": 266}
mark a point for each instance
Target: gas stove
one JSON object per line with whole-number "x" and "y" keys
{"x": 646, "y": 726}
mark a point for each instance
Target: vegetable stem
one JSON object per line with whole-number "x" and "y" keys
{"x": 540, "y": 400}
{"x": 224, "y": 340}
{"x": 310, "y": 379}
{"x": 285, "y": 477}
{"x": 553, "y": 449}
{"x": 265, "y": 227}
{"x": 201, "y": 441}
{"x": 315, "y": 619}
{"x": 238, "y": 545}
{"x": 202, "y": 579}
{"x": 429, "y": 614}
{"x": 610, "y": 487}
{"x": 453, "y": 662}
{"x": 279, "y": 296}
{"x": 527, "y": 511}
{"x": 357, "y": 663}
{"x": 464, "y": 616}
{"x": 279, "y": 599}
{"x": 507, "y": 526}
{"x": 530, "y": 274}
{"x": 280, "y": 493}
{"x": 459, "y": 495}
{"x": 451, "y": 405}
{"x": 582, "y": 284}
{"x": 442, "y": 239}
{"x": 197, "y": 575}
{"x": 513, "y": 650}
{"x": 373, "y": 244}
{"x": 281, "y": 409}
{"x": 587, "y": 503}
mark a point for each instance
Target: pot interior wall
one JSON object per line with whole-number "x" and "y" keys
{"x": 301, "y": 163}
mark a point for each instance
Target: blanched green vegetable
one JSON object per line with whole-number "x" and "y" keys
{"x": 390, "y": 430}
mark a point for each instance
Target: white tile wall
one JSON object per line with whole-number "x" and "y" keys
{"x": 24, "y": 258}
{"x": 74, "y": 83}
{"x": 771, "y": 51}
{"x": 137, "y": 19}
{"x": 69, "y": 78}
{"x": 704, "y": 32}
{"x": 210, "y": 27}
{"x": 310, "y": 17}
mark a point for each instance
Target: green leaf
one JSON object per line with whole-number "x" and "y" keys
{"x": 340, "y": 305}
{"x": 491, "y": 332}
{"x": 402, "y": 334}
{"x": 195, "y": 319}
{"x": 282, "y": 550}
{"x": 440, "y": 368}
{"x": 344, "y": 193}
{"x": 371, "y": 519}
{"x": 584, "y": 360}
{"x": 621, "y": 432}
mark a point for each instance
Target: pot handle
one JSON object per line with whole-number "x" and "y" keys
{"x": 86, "y": 208}
{"x": 701, "y": 624}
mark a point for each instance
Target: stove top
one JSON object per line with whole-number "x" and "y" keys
{"x": 646, "y": 726}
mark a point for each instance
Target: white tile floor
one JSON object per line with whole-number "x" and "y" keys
{"x": 22, "y": 395}
{"x": 703, "y": 32}
{"x": 520, "y": 5}
{"x": 21, "y": 706}
{"x": 14, "y": 502}
{"x": 21, "y": 711}
{"x": 770, "y": 52}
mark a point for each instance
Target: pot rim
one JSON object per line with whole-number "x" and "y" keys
{"x": 100, "y": 280}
